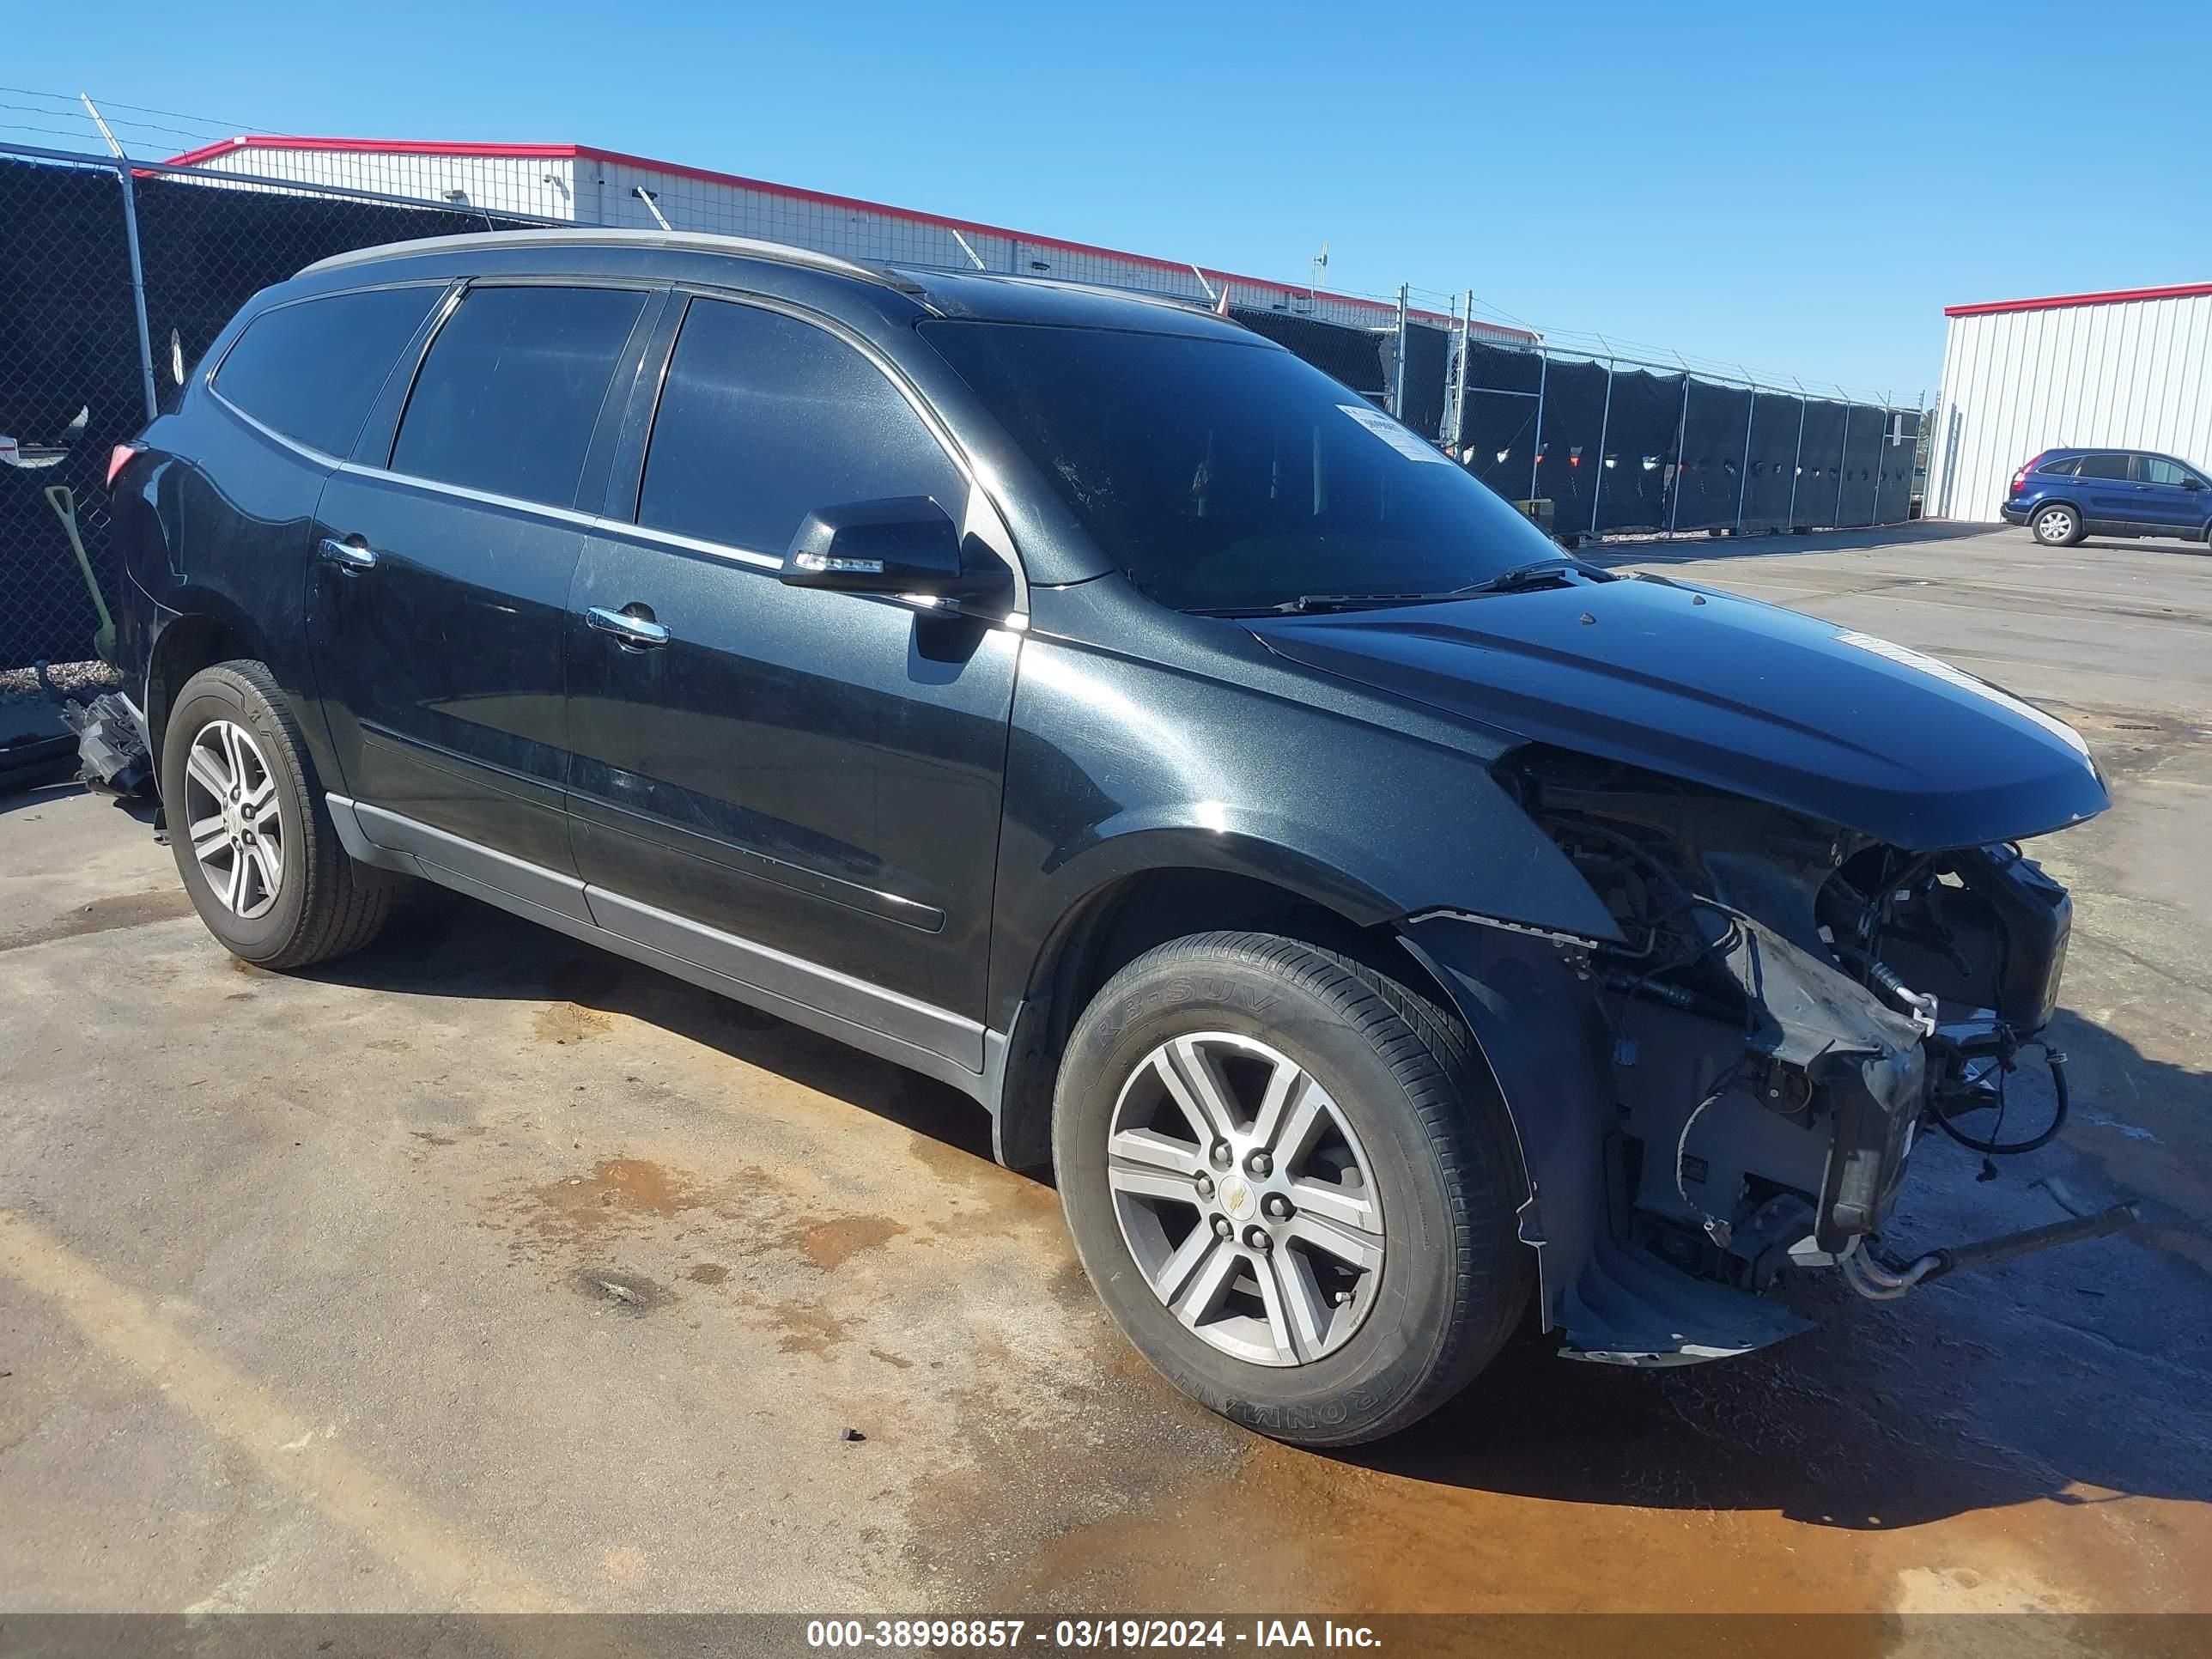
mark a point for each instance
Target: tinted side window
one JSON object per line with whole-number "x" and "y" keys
{"x": 508, "y": 395}
{"x": 2156, "y": 468}
{"x": 311, "y": 370}
{"x": 764, "y": 418}
{"x": 2104, "y": 466}
{"x": 2065, "y": 468}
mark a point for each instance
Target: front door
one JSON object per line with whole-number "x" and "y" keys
{"x": 2172, "y": 500}
{"x": 798, "y": 787}
{"x": 441, "y": 585}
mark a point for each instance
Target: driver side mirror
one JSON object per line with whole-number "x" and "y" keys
{"x": 904, "y": 547}
{"x": 2191, "y": 482}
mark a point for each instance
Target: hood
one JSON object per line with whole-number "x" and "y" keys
{"x": 1742, "y": 696}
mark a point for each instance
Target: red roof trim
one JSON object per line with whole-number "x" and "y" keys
{"x": 586, "y": 152}
{"x": 2058, "y": 301}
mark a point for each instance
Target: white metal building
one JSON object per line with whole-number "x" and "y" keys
{"x": 600, "y": 187}
{"x": 2131, "y": 368}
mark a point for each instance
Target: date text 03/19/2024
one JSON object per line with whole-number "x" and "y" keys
{"x": 1085, "y": 1634}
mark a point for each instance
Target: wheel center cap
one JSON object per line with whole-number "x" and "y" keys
{"x": 1237, "y": 1197}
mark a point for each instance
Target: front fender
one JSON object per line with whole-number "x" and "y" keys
{"x": 1116, "y": 765}
{"x": 1529, "y": 1002}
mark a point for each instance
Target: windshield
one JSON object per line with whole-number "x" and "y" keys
{"x": 1227, "y": 475}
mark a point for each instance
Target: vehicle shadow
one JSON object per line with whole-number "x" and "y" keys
{"x": 2065, "y": 1377}
{"x": 442, "y": 944}
{"x": 2069, "y": 1376}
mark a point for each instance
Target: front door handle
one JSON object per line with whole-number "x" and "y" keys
{"x": 629, "y": 628}
{"x": 349, "y": 555}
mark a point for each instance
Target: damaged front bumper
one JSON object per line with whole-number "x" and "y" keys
{"x": 1737, "y": 1088}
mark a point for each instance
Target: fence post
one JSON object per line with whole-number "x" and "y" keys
{"x": 1842, "y": 454}
{"x": 138, "y": 290}
{"x": 1458, "y": 406}
{"x": 1798, "y": 465}
{"x": 1604, "y": 426}
{"x": 1536, "y": 453}
{"x": 1743, "y": 472}
{"x": 1398, "y": 366}
{"x": 1681, "y": 443}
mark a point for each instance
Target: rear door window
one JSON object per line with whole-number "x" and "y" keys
{"x": 2104, "y": 466}
{"x": 764, "y": 418}
{"x": 509, "y": 393}
{"x": 311, "y": 369}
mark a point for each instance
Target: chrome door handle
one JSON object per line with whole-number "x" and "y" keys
{"x": 348, "y": 555}
{"x": 637, "y": 632}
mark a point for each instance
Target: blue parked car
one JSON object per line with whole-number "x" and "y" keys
{"x": 2063, "y": 494}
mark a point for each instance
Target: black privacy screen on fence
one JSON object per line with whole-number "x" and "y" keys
{"x": 1617, "y": 448}
{"x": 69, "y": 347}
{"x": 1715, "y": 423}
{"x": 71, "y": 391}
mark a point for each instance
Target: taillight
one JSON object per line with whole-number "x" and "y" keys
{"x": 119, "y": 457}
{"x": 2020, "y": 479}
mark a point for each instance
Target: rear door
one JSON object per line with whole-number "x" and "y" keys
{"x": 287, "y": 403}
{"x": 446, "y": 551}
{"x": 795, "y": 787}
{"x": 2108, "y": 491}
{"x": 2171, "y": 500}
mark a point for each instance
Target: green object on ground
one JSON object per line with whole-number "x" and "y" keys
{"x": 63, "y": 499}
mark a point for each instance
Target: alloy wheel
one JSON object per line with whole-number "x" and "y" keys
{"x": 1245, "y": 1199}
{"x": 2054, "y": 526}
{"x": 232, "y": 815}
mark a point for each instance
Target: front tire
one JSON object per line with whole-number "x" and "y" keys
{"x": 1290, "y": 1180}
{"x": 2056, "y": 527}
{"x": 251, "y": 831}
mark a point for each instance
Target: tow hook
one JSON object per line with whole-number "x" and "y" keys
{"x": 1880, "y": 1281}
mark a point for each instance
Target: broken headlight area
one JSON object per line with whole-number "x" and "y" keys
{"x": 1790, "y": 1005}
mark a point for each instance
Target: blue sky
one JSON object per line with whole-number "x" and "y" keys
{"x": 1799, "y": 189}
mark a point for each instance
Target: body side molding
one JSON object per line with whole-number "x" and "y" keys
{"x": 902, "y": 1030}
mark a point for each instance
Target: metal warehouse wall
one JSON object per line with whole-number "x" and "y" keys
{"x": 2129, "y": 373}
{"x": 601, "y": 190}
{"x": 542, "y": 186}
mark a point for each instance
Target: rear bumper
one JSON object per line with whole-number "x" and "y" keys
{"x": 2012, "y": 513}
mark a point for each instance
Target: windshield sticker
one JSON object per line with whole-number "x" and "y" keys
{"x": 1965, "y": 682}
{"x": 1396, "y": 436}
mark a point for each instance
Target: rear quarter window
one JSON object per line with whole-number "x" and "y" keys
{"x": 2063, "y": 467}
{"x": 311, "y": 369}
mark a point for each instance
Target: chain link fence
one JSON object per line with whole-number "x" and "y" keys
{"x": 119, "y": 274}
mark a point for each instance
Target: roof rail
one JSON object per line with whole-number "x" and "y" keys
{"x": 592, "y": 236}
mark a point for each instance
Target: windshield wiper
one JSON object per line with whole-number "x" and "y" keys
{"x": 1309, "y": 604}
{"x": 1522, "y": 576}
{"x": 1519, "y": 577}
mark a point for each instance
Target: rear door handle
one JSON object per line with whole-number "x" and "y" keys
{"x": 635, "y": 631}
{"x": 349, "y": 555}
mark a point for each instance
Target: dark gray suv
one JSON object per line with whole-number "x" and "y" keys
{"x": 1387, "y": 927}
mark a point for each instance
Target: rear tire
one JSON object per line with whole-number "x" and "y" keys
{"x": 1370, "y": 1264}
{"x": 2056, "y": 526}
{"x": 251, "y": 831}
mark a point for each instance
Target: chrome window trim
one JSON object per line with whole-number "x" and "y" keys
{"x": 322, "y": 457}
{"x": 726, "y": 551}
{"x": 485, "y": 497}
